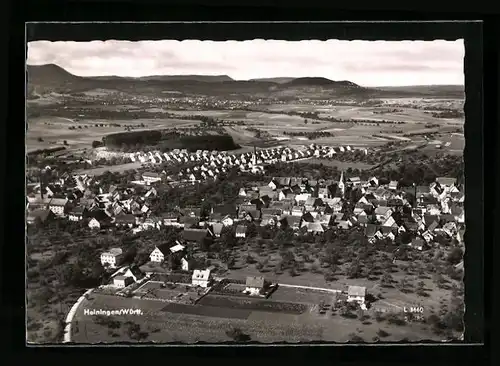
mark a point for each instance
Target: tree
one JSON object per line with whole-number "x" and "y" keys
{"x": 386, "y": 280}
{"x": 455, "y": 256}
{"x": 237, "y": 335}
{"x": 227, "y": 238}
{"x": 65, "y": 142}
{"x": 251, "y": 230}
{"x": 39, "y": 139}
{"x": 354, "y": 270}
{"x": 96, "y": 144}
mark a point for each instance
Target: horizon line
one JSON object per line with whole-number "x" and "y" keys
{"x": 257, "y": 78}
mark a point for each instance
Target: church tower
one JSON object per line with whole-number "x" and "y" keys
{"x": 341, "y": 184}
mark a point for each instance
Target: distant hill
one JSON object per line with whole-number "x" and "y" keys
{"x": 52, "y": 78}
{"x": 279, "y": 80}
{"x": 431, "y": 90}
{"x": 317, "y": 81}
{"x": 201, "y": 78}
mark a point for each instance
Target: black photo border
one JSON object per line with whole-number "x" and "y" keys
{"x": 476, "y": 144}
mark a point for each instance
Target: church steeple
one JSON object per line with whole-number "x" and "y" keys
{"x": 341, "y": 184}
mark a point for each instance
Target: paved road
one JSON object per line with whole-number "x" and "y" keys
{"x": 71, "y": 314}
{"x": 311, "y": 288}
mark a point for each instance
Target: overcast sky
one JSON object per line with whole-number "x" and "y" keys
{"x": 366, "y": 63}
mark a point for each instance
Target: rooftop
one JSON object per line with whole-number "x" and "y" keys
{"x": 356, "y": 291}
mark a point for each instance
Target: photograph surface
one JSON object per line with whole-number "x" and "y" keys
{"x": 244, "y": 191}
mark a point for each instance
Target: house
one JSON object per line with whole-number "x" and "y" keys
{"x": 252, "y": 215}
{"x": 393, "y": 185}
{"x": 227, "y": 221}
{"x": 125, "y": 220}
{"x": 191, "y": 211}
{"x": 195, "y": 236}
{"x": 390, "y": 222}
{"x": 185, "y": 264}
{"x": 170, "y": 218}
{"x": 291, "y": 221}
{"x": 122, "y": 281}
{"x": 427, "y": 235}
{"x": 254, "y": 285}
{"x": 94, "y": 223}
{"x": 315, "y": 228}
{"x": 134, "y": 273}
{"x": 382, "y": 213}
{"x": 373, "y": 182}
{"x": 201, "y": 278}
{"x": 151, "y": 177}
{"x": 77, "y": 213}
{"x": 159, "y": 253}
{"x": 273, "y": 184}
{"x": 225, "y": 210}
{"x": 189, "y": 222}
{"x": 371, "y": 230}
{"x": 39, "y": 215}
{"x": 417, "y": 243}
{"x": 446, "y": 182}
{"x": 217, "y": 229}
{"x": 344, "y": 224}
{"x": 58, "y": 206}
{"x": 112, "y": 258}
{"x": 241, "y": 231}
{"x": 355, "y": 181}
{"x": 356, "y": 294}
{"x": 244, "y": 209}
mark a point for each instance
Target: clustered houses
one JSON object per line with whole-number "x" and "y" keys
{"x": 74, "y": 197}
{"x": 209, "y": 164}
{"x": 437, "y": 210}
{"x": 385, "y": 211}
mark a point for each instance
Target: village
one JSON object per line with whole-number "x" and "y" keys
{"x": 179, "y": 271}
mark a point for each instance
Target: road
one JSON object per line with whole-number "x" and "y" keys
{"x": 71, "y": 314}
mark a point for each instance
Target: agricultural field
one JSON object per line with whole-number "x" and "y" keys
{"x": 313, "y": 275}
{"x": 173, "y": 293}
{"x": 45, "y": 132}
{"x": 209, "y": 323}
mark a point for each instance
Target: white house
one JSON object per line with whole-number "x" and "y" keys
{"x": 94, "y": 224}
{"x": 356, "y": 294}
{"x": 241, "y": 231}
{"x": 112, "y": 258}
{"x": 184, "y": 264}
{"x": 122, "y": 281}
{"x": 393, "y": 184}
{"x": 201, "y": 278}
{"x": 58, "y": 206}
{"x": 254, "y": 285}
{"x": 159, "y": 253}
{"x": 227, "y": 221}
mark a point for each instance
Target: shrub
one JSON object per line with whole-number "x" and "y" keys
{"x": 382, "y": 333}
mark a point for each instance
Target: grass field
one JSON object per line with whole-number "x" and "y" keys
{"x": 55, "y": 130}
{"x": 165, "y": 324}
{"x": 392, "y": 297}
